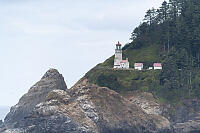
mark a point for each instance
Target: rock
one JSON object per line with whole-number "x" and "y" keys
{"x": 13, "y": 131}
{"x": 147, "y": 102}
{"x": 1, "y": 124}
{"x": 186, "y": 118}
{"x": 186, "y": 127}
{"x": 86, "y": 108}
{"x": 162, "y": 123}
{"x": 50, "y": 81}
{"x": 151, "y": 106}
{"x": 91, "y": 109}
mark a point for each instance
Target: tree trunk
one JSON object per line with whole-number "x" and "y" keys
{"x": 168, "y": 47}
{"x": 164, "y": 46}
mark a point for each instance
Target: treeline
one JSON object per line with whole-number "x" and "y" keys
{"x": 175, "y": 29}
{"x": 176, "y": 24}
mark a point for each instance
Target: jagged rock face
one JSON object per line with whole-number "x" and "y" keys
{"x": 50, "y": 107}
{"x": 109, "y": 111}
{"x": 86, "y": 108}
{"x": 50, "y": 81}
{"x": 1, "y": 123}
{"x": 57, "y": 114}
{"x": 186, "y": 118}
{"x": 149, "y": 105}
{"x": 146, "y": 101}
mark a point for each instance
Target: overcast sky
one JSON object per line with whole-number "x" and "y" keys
{"x": 69, "y": 35}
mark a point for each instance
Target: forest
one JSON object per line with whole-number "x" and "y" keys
{"x": 175, "y": 28}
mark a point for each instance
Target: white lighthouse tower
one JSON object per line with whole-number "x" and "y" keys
{"x": 118, "y": 55}
{"x": 118, "y": 62}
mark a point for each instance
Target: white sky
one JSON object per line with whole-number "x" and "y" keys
{"x": 69, "y": 35}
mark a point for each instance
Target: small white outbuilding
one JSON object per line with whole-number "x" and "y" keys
{"x": 157, "y": 66}
{"x": 138, "y": 66}
{"x": 150, "y": 68}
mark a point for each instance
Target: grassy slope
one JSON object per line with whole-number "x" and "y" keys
{"x": 124, "y": 81}
{"x": 128, "y": 80}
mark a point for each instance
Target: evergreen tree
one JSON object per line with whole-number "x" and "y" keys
{"x": 175, "y": 28}
{"x": 150, "y": 16}
{"x": 163, "y": 12}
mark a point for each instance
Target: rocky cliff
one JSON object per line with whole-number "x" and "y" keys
{"x": 49, "y": 107}
{"x": 85, "y": 108}
{"x": 50, "y": 81}
{"x": 184, "y": 118}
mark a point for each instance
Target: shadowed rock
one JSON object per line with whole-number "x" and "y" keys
{"x": 51, "y": 80}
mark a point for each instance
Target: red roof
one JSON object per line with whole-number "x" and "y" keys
{"x": 138, "y": 64}
{"x": 157, "y": 65}
{"x": 118, "y": 44}
{"x": 123, "y": 61}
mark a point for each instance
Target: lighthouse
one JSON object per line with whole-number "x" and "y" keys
{"x": 118, "y": 61}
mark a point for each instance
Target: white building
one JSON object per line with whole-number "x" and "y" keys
{"x": 138, "y": 66}
{"x": 118, "y": 62}
{"x": 150, "y": 68}
{"x": 157, "y": 66}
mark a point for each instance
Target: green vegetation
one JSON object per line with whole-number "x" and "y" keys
{"x": 124, "y": 80}
{"x": 171, "y": 35}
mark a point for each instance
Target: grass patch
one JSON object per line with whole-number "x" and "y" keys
{"x": 124, "y": 80}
